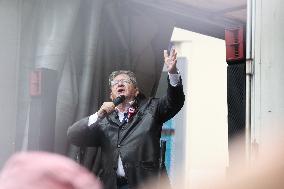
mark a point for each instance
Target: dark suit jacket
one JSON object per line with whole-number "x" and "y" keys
{"x": 137, "y": 141}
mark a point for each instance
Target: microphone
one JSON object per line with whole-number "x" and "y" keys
{"x": 118, "y": 100}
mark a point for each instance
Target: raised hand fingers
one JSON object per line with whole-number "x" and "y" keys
{"x": 172, "y": 56}
{"x": 166, "y": 54}
{"x": 171, "y": 60}
{"x": 172, "y": 51}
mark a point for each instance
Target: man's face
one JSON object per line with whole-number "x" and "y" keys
{"x": 122, "y": 85}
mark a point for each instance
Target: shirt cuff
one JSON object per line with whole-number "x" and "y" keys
{"x": 92, "y": 119}
{"x": 174, "y": 79}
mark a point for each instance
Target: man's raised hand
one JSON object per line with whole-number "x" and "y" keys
{"x": 171, "y": 61}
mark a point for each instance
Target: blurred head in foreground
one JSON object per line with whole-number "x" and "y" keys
{"x": 42, "y": 170}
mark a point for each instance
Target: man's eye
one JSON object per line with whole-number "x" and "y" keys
{"x": 123, "y": 81}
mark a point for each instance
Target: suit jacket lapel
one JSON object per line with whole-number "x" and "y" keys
{"x": 129, "y": 127}
{"x": 113, "y": 117}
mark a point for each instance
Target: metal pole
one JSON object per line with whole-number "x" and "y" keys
{"x": 249, "y": 75}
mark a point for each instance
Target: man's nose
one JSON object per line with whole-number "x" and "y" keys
{"x": 121, "y": 83}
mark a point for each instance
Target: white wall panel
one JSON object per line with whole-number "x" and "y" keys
{"x": 268, "y": 80}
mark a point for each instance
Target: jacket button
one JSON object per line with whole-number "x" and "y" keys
{"x": 118, "y": 145}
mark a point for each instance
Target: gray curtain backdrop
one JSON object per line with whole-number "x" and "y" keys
{"x": 84, "y": 41}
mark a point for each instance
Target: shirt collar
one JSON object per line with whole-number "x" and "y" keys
{"x": 127, "y": 106}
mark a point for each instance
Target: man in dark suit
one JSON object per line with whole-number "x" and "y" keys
{"x": 129, "y": 133}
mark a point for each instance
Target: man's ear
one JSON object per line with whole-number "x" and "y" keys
{"x": 137, "y": 92}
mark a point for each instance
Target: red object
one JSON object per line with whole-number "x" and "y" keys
{"x": 235, "y": 44}
{"x": 35, "y": 83}
{"x": 131, "y": 112}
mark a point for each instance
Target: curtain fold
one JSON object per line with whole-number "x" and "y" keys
{"x": 45, "y": 37}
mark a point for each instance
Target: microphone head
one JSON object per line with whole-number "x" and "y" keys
{"x": 118, "y": 100}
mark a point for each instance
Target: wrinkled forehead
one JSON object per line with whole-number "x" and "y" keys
{"x": 121, "y": 76}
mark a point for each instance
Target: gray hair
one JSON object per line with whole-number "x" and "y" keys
{"x": 130, "y": 74}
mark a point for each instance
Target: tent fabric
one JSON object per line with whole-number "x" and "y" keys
{"x": 84, "y": 41}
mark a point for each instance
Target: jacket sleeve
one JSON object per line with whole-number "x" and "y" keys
{"x": 80, "y": 134}
{"x": 170, "y": 104}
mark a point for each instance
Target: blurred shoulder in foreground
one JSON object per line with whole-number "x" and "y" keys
{"x": 43, "y": 170}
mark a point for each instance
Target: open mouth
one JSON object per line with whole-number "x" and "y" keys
{"x": 120, "y": 91}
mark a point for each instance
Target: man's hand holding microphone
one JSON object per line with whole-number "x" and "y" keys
{"x": 108, "y": 107}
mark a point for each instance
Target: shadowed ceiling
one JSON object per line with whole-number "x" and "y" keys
{"x": 209, "y": 17}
